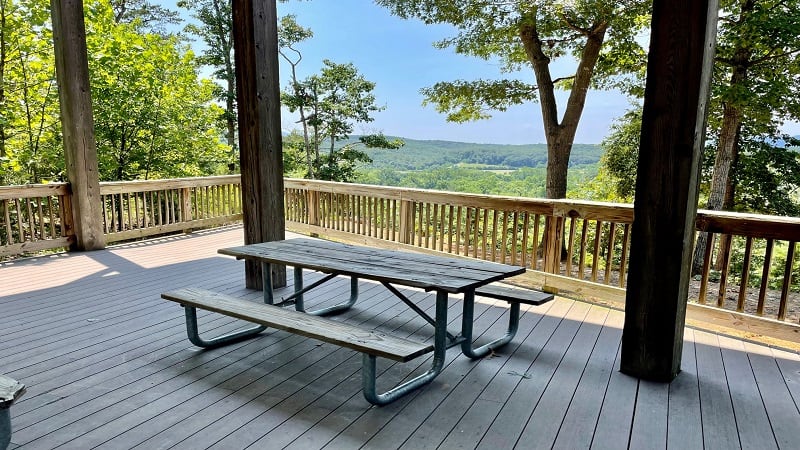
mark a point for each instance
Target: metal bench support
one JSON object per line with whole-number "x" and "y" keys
{"x": 466, "y": 329}
{"x": 299, "y": 290}
{"x": 194, "y": 334}
{"x": 368, "y": 371}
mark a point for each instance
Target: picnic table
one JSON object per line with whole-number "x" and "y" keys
{"x": 444, "y": 275}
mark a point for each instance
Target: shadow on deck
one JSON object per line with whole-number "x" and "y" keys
{"x": 107, "y": 365}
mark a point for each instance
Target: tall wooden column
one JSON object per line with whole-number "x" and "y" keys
{"x": 255, "y": 30}
{"x": 80, "y": 150}
{"x": 673, "y": 122}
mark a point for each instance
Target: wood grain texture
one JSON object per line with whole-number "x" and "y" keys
{"x": 367, "y": 341}
{"x": 514, "y": 295}
{"x": 107, "y": 365}
{"x": 80, "y": 149}
{"x": 255, "y": 39}
{"x": 404, "y": 268}
{"x": 679, "y": 70}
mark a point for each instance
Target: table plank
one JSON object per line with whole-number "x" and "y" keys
{"x": 424, "y": 271}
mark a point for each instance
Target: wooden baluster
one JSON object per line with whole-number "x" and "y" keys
{"x": 762, "y": 293}
{"x": 598, "y": 231}
{"x": 582, "y": 258}
{"x": 514, "y": 238}
{"x": 450, "y": 231}
{"x": 459, "y": 239}
{"x": 787, "y": 281}
{"x": 114, "y": 220}
{"x": 623, "y": 259}
{"x": 525, "y": 226}
{"x": 486, "y": 231}
{"x": 31, "y": 220}
{"x": 612, "y": 232}
{"x": 52, "y": 217}
{"x": 7, "y": 215}
{"x": 504, "y": 238}
{"x": 570, "y": 246}
{"x": 745, "y": 280}
{"x": 436, "y": 237}
{"x": 494, "y": 234}
{"x": 706, "y": 268}
{"x": 537, "y": 219}
{"x": 723, "y": 279}
{"x": 40, "y": 216}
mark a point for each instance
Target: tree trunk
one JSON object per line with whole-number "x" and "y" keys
{"x": 727, "y": 150}
{"x": 560, "y": 135}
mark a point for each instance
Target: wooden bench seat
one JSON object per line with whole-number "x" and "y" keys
{"x": 371, "y": 343}
{"x": 514, "y": 295}
{"x": 342, "y": 334}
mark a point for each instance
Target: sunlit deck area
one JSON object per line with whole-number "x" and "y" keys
{"x": 108, "y": 365}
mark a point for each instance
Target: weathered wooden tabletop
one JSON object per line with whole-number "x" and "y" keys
{"x": 444, "y": 273}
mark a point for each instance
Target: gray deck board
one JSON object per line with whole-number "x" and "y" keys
{"x": 108, "y": 366}
{"x": 684, "y": 426}
{"x": 512, "y": 419}
{"x": 577, "y": 428}
{"x": 719, "y": 419}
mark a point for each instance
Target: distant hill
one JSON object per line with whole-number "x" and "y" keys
{"x": 420, "y": 155}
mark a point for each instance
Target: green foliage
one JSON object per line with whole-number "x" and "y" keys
{"x": 29, "y": 126}
{"x": 330, "y": 104}
{"x": 762, "y": 39}
{"x": 599, "y": 35}
{"x": 521, "y": 182}
{"x": 465, "y": 101}
{"x": 768, "y": 178}
{"x": 422, "y": 155}
{"x": 153, "y": 116}
{"x": 620, "y": 158}
{"x": 147, "y": 17}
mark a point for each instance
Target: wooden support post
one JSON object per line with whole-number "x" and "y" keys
{"x": 255, "y": 31}
{"x": 673, "y": 127}
{"x": 406, "y": 221}
{"x": 80, "y": 150}
{"x": 312, "y": 198}
{"x": 553, "y": 237}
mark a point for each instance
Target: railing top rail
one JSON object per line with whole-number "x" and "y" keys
{"x": 122, "y": 187}
{"x": 33, "y": 190}
{"x": 565, "y": 207}
{"x": 752, "y": 225}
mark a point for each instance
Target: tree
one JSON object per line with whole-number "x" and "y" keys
{"x": 29, "y": 127}
{"x": 289, "y": 35}
{"x": 600, "y": 35}
{"x": 214, "y": 29}
{"x": 153, "y": 117}
{"x": 331, "y": 103}
{"x": 146, "y": 16}
{"x": 756, "y": 85}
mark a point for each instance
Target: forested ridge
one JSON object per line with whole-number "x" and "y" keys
{"x": 426, "y": 154}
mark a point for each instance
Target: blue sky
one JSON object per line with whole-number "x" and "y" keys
{"x": 399, "y": 57}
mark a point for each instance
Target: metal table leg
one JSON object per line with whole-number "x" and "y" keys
{"x": 466, "y": 329}
{"x": 297, "y": 297}
{"x": 368, "y": 373}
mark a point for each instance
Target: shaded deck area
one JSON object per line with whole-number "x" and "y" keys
{"x": 107, "y": 365}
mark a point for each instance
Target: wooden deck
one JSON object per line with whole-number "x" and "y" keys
{"x": 107, "y": 365}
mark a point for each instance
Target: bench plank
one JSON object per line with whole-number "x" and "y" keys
{"x": 372, "y": 342}
{"x": 514, "y": 295}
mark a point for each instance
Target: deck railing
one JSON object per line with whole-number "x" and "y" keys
{"x": 575, "y": 247}
{"x": 571, "y": 246}
{"x": 34, "y": 218}
{"x": 135, "y": 209}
